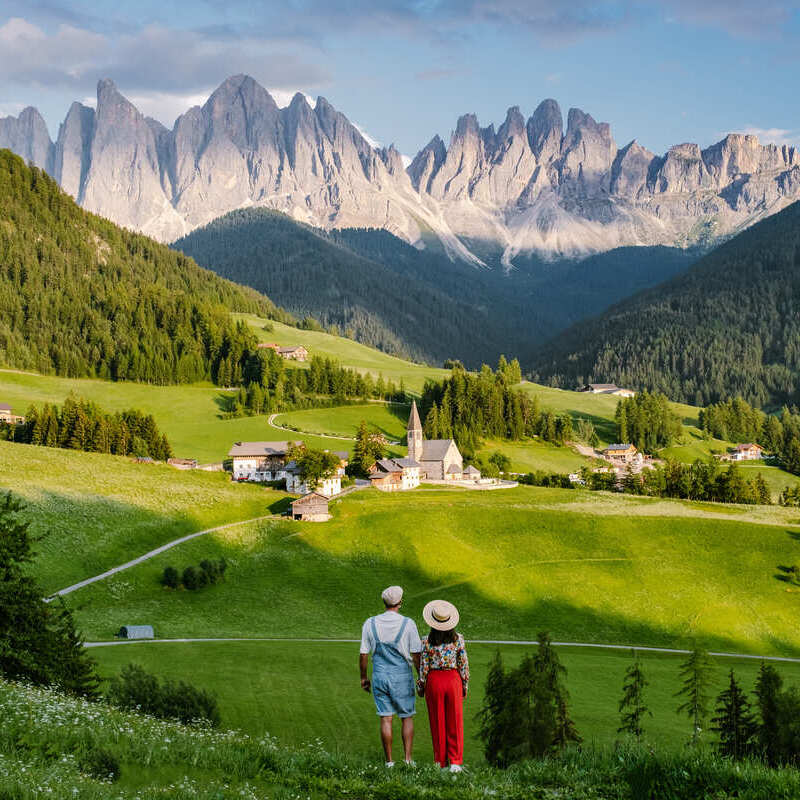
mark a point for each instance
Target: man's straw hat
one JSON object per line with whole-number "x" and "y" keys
{"x": 440, "y": 615}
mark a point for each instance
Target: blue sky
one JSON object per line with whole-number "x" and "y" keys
{"x": 660, "y": 72}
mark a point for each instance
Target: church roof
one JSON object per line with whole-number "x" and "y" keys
{"x": 471, "y": 470}
{"x": 413, "y": 420}
{"x": 453, "y": 469}
{"x": 435, "y": 449}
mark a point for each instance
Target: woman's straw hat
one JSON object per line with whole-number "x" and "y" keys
{"x": 440, "y": 615}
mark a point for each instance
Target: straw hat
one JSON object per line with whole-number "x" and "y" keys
{"x": 440, "y": 615}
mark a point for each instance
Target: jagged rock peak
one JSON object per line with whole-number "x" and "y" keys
{"x": 545, "y": 128}
{"x": 467, "y": 125}
{"x": 242, "y": 89}
{"x": 514, "y": 124}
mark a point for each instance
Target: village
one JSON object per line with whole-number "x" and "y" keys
{"x": 429, "y": 461}
{"x": 433, "y": 461}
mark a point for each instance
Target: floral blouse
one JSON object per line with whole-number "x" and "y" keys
{"x": 446, "y": 656}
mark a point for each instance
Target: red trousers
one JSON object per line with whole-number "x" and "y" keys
{"x": 445, "y": 700}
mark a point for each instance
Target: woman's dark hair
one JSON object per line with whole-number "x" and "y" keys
{"x": 436, "y": 638}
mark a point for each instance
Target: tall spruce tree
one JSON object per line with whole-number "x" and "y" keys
{"x": 768, "y": 699}
{"x": 632, "y": 707}
{"x": 38, "y": 642}
{"x": 695, "y": 675}
{"x": 553, "y": 675}
{"x": 733, "y": 721}
{"x": 493, "y": 729}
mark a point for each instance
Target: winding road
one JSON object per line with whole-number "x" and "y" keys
{"x": 164, "y": 547}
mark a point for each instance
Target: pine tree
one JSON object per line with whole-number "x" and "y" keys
{"x": 696, "y": 678}
{"x": 631, "y": 706}
{"x": 553, "y": 674}
{"x": 38, "y": 641}
{"x": 491, "y": 718}
{"x": 768, "y": 696}
{"x": 734, "y": 722}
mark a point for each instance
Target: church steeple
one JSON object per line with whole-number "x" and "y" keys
{"x": 415, "y": 437}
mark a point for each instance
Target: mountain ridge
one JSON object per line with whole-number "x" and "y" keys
{"x": 530, "y": 186}
{"x": 727, "y": 326}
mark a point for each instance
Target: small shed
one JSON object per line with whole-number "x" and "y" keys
{"x": 312, "y": 507}
{"x": 136, "y": 632}
{"x": 472, "y": 473}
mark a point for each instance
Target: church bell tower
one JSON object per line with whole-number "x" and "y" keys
{"x": 415, "y": 437}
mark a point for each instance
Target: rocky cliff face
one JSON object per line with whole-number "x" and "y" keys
{"x": 530, "y": 186}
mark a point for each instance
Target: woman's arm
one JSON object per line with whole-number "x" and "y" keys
{"x": 462, "y": 663}
{"x": 424, "y": 666}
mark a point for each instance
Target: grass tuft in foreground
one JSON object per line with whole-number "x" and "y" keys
{"x": 46, "y": 738}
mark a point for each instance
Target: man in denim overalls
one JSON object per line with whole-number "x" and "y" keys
{"x": 393, "y": 641}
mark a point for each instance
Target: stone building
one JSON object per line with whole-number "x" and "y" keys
{"x": 439, "y": 459}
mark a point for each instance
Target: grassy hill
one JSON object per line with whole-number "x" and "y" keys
{"x": 51, "y": 743}
{"x": 348, "y": 352}
{"x": 727, "y": 327}
{"x": 97, "y": 511}
{"x": 589, "y": 567}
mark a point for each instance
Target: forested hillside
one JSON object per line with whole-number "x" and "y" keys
{"x": 729, "y": 326}
{"x": 419, "y": 303}
{"x": 81, "y": 297}
{"x": 312, "y": 274}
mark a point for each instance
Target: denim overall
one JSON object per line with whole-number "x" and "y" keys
{"x": 392, "y": 679}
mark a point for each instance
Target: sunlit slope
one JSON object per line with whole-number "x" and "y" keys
{"x": 587, "y": 566}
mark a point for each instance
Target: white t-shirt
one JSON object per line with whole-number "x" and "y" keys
{"x": 388, "y": 626}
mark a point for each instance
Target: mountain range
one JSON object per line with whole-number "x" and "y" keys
{"x": 727, "y": 326}
{"x": 532, "y": 186}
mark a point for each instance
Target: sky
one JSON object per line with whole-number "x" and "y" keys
{"x": 661, "y": 72}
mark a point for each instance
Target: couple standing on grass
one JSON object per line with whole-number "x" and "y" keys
{"x": 441, "y": 663}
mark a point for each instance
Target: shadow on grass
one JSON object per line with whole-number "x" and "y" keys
{"x": 606, "y": 428}
{"x": 280, "y": 506}
{"x": 299, "y": 579}
{"x": 225, "y": 402}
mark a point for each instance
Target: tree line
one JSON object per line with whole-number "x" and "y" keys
{"x": 82, "y": 425}
{"x": 270, "y": 386}
{"x": 647, "y": 421}
{"x": 525, "y": 712}
{"x": 82, "y": 297}
{"x": 736, "y": 420}
{"x": 726, "y": 327}
{"x": 705, "y": 481}
{"x": 467, "y": 406}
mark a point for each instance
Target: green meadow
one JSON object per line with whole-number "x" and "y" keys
{"x": 301, "y": 692}
{"x": 191, "y": 416}
{"x": 347, "y": 352}
{"x": 96, "y": 511}
{"x": 390, "y": 419}
{"x": 588, "y": 567}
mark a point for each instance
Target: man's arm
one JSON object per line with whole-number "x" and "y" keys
{"x": 415, "y": 657}
{"x": 363, "y": 659}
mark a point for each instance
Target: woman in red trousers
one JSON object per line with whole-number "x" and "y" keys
{"x": 443, "y": 681}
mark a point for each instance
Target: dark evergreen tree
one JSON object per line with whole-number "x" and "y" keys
{"x": 493, "y": 725}
{"x": 733, "y": 721}
{"x": 632, "y": 707}
{"x": 696, "y": 672}
{"x": 769, "y": 685}
{"x": 38, "y": 642}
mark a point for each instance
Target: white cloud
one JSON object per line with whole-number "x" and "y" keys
{"x": 779, "y": 136}
{"x": 11, "y": 109}
{"x": 150, "y": 61}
